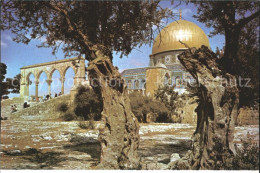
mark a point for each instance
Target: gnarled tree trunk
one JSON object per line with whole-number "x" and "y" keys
{"x": 212, "y": 142}
{"x": 119, "y": 134}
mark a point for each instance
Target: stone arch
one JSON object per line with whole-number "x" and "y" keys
{"x": 178, "y": 81}
{"x": 56, "y": 85}
{"x": 136, "y": 84}
{"x": 143, "y": 82}
{"x": 129, "y": 84}
{"x": 42, "y": 82}
{"x": 27, "y": 79}
{"x": 30, "y": 85}
{"x": 65, "y": 70}
{"x": 60, "y": 65}
{"x": 39, "y": 74}
{"x": 52, "y": 71}
{"x": 70, "y": 79}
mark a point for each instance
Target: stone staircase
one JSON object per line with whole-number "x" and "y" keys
{"x": 41, "y": 111}
{"x": 6, "y": 105}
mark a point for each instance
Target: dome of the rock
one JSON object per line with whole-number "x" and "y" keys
{"x": 183, "y": 30}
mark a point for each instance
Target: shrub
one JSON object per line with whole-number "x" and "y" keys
{"x": 163, "y": 117}
{"x": 88, "y": 103}
{"x": 82, "y": 125}
{"x": 5, "y": 97}
{"x": 69, "y": 116}
{"x": 91, "y": 124}
{"x": 142, "y": 105}
{"x": 168, "y": 96}
{"x": 247, "y": 158}
{"x": 63, "y": 107}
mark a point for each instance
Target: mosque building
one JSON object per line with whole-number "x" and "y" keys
{"x": 164, "y": 67}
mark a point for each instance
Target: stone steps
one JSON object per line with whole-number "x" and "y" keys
{"x": 6, "y": 105}
{"x": 43, "y": 110}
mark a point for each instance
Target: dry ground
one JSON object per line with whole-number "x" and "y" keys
{"x": 63, "y": 145}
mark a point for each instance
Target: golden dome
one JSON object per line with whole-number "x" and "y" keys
{"x": 182, "y": 30}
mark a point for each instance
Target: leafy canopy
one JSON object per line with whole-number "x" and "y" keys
{"x": 3, "y": 85}
{"x": 223, "y": 15}
{"x": 83, "y": 27}
{"x": 87, "y": 104}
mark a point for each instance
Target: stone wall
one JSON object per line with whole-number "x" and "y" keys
{"x": 189, "y": 115}
{"x": 155, "y": 77}
{"x": 46, "y": 110}
{"x": 248, "y": 116}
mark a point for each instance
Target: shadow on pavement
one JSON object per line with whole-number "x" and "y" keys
{"x": 42, "y": 160}
{"x": 93, "y": 149}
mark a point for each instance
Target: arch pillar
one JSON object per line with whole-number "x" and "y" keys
{"x": 80, "y": 73}
{"x": 62, "y": 80}
{"x": 24, "y": 90}
{"x": 24, "y": 86}
{"x": 79, "y": 78}
{"x": 49, "y": 81}
{"x": 36, "y": 90}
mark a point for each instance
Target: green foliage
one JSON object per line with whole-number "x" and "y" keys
{"x": 247, "y": 158}
{"x": 3, "y": 85}
{"x": 10, "y": 85}
{"x": 5, "y": 97}
{"x": 84, "y": 25}
{"x": 88, "y": 104}
{"x": 142, "y": 105}
{"x": 168, "y": 96}
{"x": 86, "y": 125}
{"x": 2, "y": 71}
{"x": 239, "y": 22}
{"x": 14, "y": 84}
{"x": 248, "y": 66}
{"x": 69, "y": 116}
{"x": 82, "y": 125}
{"x": 214, "y": 14}
{"x": 63, "y": 107}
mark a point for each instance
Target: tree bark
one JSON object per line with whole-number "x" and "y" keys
{"x": 229, "y": 60}
{"x": 212, "y": 142}
{"x": 119, "y": 133}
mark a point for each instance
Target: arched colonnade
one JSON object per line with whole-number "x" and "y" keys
{"x": 77, "y": 64}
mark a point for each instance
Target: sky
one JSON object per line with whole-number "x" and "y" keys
{"x": 16, "y": 55}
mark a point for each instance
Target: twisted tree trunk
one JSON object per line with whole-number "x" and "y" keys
{"x": 119, "y": 134}
{"x": 212, "y": 142}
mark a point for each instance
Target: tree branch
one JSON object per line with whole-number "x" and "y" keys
{"x": 244, "y": 21}
{"x": 73, "y": 27}
{"x": 184, "y": 44}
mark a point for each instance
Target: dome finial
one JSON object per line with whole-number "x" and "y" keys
{"x": 180, "y": 13}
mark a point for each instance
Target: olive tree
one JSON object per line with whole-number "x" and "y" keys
{"x": 94, "y": 29}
